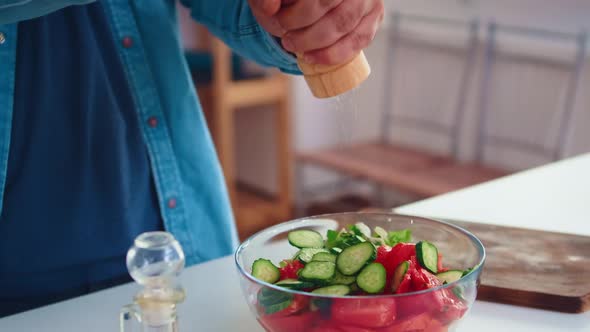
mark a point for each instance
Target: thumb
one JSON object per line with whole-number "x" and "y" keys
{"x": 266, "y": 7}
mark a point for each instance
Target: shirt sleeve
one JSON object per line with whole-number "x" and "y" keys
{"x": 12, "y": 11}
{"x": 233, "y": 22}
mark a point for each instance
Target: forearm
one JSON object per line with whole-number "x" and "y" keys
{"x": 232, "y": 21}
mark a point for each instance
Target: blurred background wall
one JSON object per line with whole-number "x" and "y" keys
{"x": 319, "y": 123}
{"x": 356, "y": 116}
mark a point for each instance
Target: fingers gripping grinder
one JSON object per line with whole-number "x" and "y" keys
{"x": 330, "y": 81}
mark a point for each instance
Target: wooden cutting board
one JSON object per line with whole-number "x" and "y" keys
{"x": 534, "y": 268}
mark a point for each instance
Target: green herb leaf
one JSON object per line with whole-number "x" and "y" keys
{"x": 459, "y": 293}
{"x": 364, "y": 229}
{"x": 332, "y": 238}
{"x": 396, "y": 237}
{"x": 466, "y": 272}
{"x": 354, "y": 229}
{"x": 349, "y": 239}
{"x": 343, "y": 239}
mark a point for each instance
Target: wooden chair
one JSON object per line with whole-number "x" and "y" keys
{"x": 387, "y": 162}
{"x": 497, "y": 107}
{"x": 221, "y": 98}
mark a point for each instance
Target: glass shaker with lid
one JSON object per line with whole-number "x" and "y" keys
{"x": 154, "y": 261}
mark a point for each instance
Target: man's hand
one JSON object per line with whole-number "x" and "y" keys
{"x": 323, "y": 31}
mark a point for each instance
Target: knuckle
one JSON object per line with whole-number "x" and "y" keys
{"x": 297, "y": 42}
{"x": 327, "y": 4}
{"x": 286, "y": 22}
{"x": 345, "y": 20}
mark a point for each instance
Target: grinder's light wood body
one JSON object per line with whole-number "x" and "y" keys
{"x": 330, "y": 81}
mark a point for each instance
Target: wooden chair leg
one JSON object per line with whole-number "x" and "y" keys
{"x": 284, "y": 155}
{"x": 223, "y": 115}
{"x": 224, "y": 137}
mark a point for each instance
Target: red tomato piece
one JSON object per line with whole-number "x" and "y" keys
{"x": 326, "y": 326}
{"x": 383, "y": 258}
{"x": 422, "y": 279}
{"x": 383, "y": 254}
{"x": 436, "y": 326}
{"x": 406, "y": 285}
{"x": 364, "y": 312}
{"x": 355, "y": 329}
{"x": 419, "y": 279}
{"x": 292, "y": 323}
{"x": 448, "y": 307}
{"x": 441, "y": 304}
{"x": 412, "y": 305}
{"x": 325, "y": 329}
{"x": 289, "y": 271}
{"x": 390, "y": 258}
{"x": 420, "y": 322}
{"x": 402, "y": 252}
{"x": 440, "y": 266}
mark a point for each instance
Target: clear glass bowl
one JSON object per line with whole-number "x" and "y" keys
{"x": 436, "y": 309}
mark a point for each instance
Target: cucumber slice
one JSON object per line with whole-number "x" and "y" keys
{"x": 273, "y": 308}
{"x": 336, "y": 250}
{"x": 427, "y": 255}
{"x": 458, "y": 291}
{"x": 265, "y": 270}
{"x": 399, "y": 275}
{"x": 324, "y": 257}
{"x": 294, "y": 284}
{"x": 372, "y": 278}
{"x": 336, "y": 290}
{"x": 318, "y": 271}
{"x": 306, "y": 239}
{"x": 268, "y": 297}
{"x": 341, "y": 279}
{"x": 305, "y": 255}
{"x": 449, "y": 276}
{"x": 354, "y": 258}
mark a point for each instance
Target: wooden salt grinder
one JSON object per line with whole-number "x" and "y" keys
{"x": 330, "y": 81}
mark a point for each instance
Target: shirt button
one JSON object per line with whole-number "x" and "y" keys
{"x": 152, "y": 121}
{"x": 2, "y": 38}
{"x": 127, "y": 42}
{"x": 172, "y": 203}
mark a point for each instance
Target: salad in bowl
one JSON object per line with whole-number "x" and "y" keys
{"x": 360, "y": 272}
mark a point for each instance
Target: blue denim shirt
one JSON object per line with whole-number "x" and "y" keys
{"x": 191, "y": 190}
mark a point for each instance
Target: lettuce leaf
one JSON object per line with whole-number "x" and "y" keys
{"x": 396, "y": 237}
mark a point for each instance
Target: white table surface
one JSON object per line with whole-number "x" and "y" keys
{"x": 554, "y": 197}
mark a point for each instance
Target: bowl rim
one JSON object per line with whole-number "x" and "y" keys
{"x": 475, "y": 271}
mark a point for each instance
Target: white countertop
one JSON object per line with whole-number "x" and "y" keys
{"x": 554, "y": 197}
